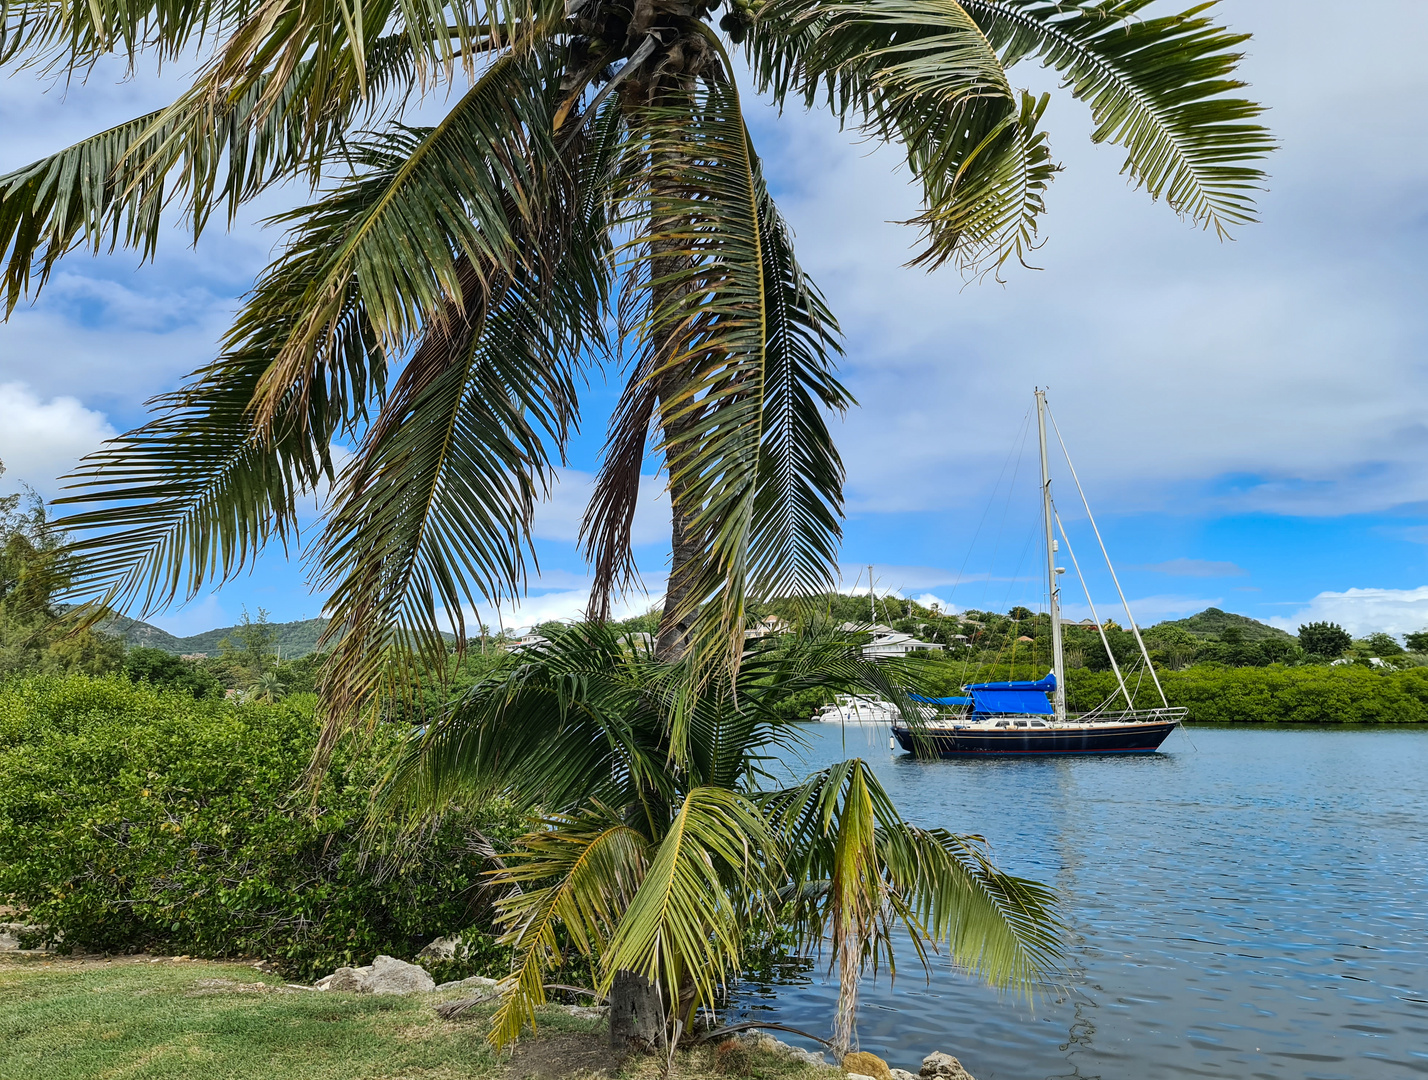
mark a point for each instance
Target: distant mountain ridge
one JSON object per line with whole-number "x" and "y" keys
{"x": 300, "y": 638}
{"x": 1212, "y": 622}
{"x": 294, "y": 638}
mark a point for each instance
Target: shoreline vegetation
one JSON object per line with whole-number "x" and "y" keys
{"x": 1223, "y": 667}
{"x": 1317, "y": 695}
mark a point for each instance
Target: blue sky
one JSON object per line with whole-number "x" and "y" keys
{"x": 1247, "y": 416}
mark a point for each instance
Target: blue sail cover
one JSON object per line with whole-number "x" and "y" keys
{"x": 1011, "y": 701}
{"x": 940, "y": 700}
{"x": 1044, "y": 685}
{"x": 1014, "y": 697}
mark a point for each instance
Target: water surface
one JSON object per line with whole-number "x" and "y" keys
{"x": 1246, "y": 903}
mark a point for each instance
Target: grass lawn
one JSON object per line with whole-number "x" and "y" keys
{"x": 129, "y": 1019}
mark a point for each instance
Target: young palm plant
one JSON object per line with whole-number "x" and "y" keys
{"x": 591, "y": 195}
{"x": 667, "y": 833}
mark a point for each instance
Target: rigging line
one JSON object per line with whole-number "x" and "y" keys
{"x": 1121, "y": 592}
{"x": 1015, "y": 579}
{"x": 987, "y": 509}
{"x": 1006, "y": 509}
{"x": 1007, "y": 598}
{"x": 1100, "y": 629}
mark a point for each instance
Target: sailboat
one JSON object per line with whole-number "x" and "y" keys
{"x": 1029, "y": 717}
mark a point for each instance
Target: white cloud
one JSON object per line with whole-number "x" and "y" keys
{"x": 559, "y": 516}
{"x": 1281, "y": 372}
{"x": 41, "y": 440}
{"x": 1364, "y": 611}
{"x": 560, "y": 605}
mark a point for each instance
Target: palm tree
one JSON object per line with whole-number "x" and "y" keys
{"x": 268, "y": 687}
{"x": 591, "y": 196}
{"x": 666, "y": 835}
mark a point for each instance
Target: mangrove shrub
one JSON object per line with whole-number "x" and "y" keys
{"x": 134, "y": 818}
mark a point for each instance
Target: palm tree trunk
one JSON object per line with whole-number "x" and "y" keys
{"x": 674, "y": 625}
{"x": 684, "y": 550}
{"x": 636, "y": 1012}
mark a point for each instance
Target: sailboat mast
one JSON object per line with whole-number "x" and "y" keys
{"x": 1058, "y": 660}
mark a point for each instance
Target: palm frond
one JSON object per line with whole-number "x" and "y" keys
{"x": 205, "y": 150}
{"x": 73, "y": 34}
{"x": 188, "y": 498}
{"x": 737, "y": 361}
{"x": 922, "y": 73}
{"x": 198, "y": 488}
{"x": 579, "y": 872}
{"x": 1003, "y": 928}
{"x": 684, "y": 925}
{"x": 253, "y": 35}
{"x": 436, "y": 195}
{"x": 931, "y": 75}
{"x": 1159, "y": 87}
{"x": 856, "y": 870}
{"x": 435, "y": 512}
{"x": 578, "y": 718}
{"x": 985, "y": 183}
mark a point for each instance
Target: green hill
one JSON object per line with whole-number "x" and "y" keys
{"x": 138, "y": 634}
{"x": 294, "y": 638}
{"x": 1212, "y": 622}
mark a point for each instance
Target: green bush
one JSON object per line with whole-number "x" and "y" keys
{"x": 134, "y": 818}
{"x": 1306, "y": 694}
{"x": 169, "y": 672}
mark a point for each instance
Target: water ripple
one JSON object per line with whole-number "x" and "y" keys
{"x": 1254, "y": 905}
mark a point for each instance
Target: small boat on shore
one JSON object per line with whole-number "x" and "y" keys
{"x": 1026, "y": 718}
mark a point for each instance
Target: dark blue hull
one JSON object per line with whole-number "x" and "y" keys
{"x": 1142, "y": 738}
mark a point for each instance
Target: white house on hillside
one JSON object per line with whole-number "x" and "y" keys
{"x": 769, "y": 624}
{"x": 888, "y": 642}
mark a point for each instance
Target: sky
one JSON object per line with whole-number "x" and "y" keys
{"x": 1247, "y": 417}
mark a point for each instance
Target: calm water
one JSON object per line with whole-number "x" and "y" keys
{"x": 1247, "y": 903}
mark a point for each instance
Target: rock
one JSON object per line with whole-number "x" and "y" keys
{"x": 761, "y": 1040}
{"x": 588, "y": 1012}
{"x": 479, "y": 983}
{"x": 901, "y": 1074}
{"x": 858, "y": 1076}
{"x": 11, "y": 932}
{"x": 384, "y": 975}
{"x": 443, "y": 948}
{"x": 348, "y": 980}
{"x": 865, "y": 1064}
{"x": 940, "y": 1066}
{"x": 392, "y": 976}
